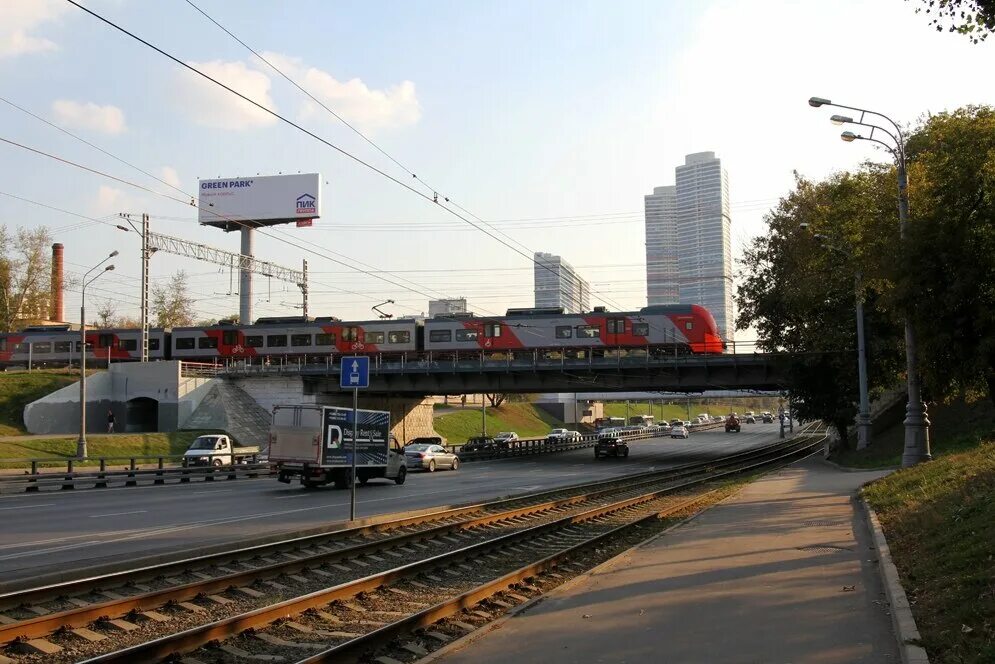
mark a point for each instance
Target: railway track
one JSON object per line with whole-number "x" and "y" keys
{"x": 338, "y": 584}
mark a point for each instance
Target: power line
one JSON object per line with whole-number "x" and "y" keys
{"x": 434, "y": 198}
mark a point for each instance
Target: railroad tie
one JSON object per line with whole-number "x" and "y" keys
{"x": 38, "y": 647}
{"x": 5, "y": 620}
{"x": 283, "y": 643}
{"x": 120, "y": 625}
{"x": 465, "y": 626}
{"x": 154, "y": 616}
{"x": 383, "y": 659}
{"x": 415, "y": 649}
{"x": 87, "y": 634}
{"x": 248, "y": 592}
{"x": 245, "y": 654}
{"x": 439, "y": 636}
{"x": 190, "y": 606}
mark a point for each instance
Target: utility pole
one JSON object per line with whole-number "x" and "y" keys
{"x": 146, "y": 255}
{"x": 483, "y": 415}
{"x": 303, "y": 287}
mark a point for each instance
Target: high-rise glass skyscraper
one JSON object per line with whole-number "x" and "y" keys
{"x": 557, "y": 284}
{"x": 662, "y": 279}
{"x": 693, "y": 225}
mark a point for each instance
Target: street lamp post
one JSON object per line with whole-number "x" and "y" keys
{"x": 916, "y": 422}
{"x": 81, "y": 443}
{"x": 864, "y": 414}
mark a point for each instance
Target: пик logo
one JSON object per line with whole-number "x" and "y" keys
{"x": 305, "y": 204}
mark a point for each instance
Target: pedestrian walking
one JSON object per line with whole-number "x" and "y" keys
{"x": 110, "y": 421}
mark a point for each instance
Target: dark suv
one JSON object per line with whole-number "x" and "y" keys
{"x": 610, "y": 446}
{"x": 480, "y": 444}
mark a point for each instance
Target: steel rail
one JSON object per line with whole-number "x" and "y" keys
{"x": 195, "y": 637}
{"x": 44, "y": 625}
{"x": 54, "y": 590}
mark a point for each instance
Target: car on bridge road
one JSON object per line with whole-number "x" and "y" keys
{"x": 480, "y": 444}
{"x": 610, "y": 446}
{"x": 767, "y": 418}
{"x": 505, "y": 438}
{"x": 680, "y": 431}
{"x": 750, "y": 419}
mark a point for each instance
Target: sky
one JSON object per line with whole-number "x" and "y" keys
{"x": 548, "y": 121}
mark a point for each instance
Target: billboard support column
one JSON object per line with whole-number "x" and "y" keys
{"x": 355, "y": 435}
{"x": 245, "y": 278}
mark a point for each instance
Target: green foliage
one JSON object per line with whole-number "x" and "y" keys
{"x": 949, "y": 264}
{"x": 974, "y": 18}
{"x": 60, "y": 449}
{"x": 800, "y": 295}
{"x": 940, "y": 522}
{"x": 18, "y": 389}
{"x": 24, "y": 277}
{"x": 172, "y": 305}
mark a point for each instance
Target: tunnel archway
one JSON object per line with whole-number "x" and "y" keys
{"x": 142, "y": 415}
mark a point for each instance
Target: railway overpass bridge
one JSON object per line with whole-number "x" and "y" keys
{"x": 479, "y": 374}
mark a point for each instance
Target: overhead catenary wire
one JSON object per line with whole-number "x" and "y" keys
{"x": 433, "y": 199}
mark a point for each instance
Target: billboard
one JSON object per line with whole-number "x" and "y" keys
{"x": 336, "y": 437}
{"x": 264, "y": 200}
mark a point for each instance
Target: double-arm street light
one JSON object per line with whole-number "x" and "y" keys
{"x": 916, "y": 424}
{"x": 87, "y": 280}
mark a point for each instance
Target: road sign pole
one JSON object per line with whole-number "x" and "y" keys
{"x": 355, "y": 434}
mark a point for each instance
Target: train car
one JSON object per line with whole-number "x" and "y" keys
{"x": 659, "y": 329}
{"x": 58, "y": 345}
{"x": 294, "y": 336}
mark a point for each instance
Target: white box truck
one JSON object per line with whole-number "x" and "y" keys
{"x": 314, "y": 443}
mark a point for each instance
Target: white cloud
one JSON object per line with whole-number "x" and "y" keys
{"x": 111, "y": 200}
{"x": 211, "y": 106}
{"x": 104, "y": 119}
{"x": 18, "y": 18}
{"x": 170, "y": 176}
{"x": 366, "y": 108}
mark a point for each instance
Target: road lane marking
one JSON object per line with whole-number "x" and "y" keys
{"x": 97, "y": 516}
{"x": 26, "y": 507}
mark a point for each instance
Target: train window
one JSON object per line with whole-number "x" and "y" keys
{"x": 399, "y": 337}
{"x": 350, "y": 334}
{"x": 588, "y": 332}
{"x": 443, "y": 335}
{"x": 42, "y": 347}
{"x": 616, "y": 326}
{"x": 153, "y": 344}
{"x": 21, "y": 348}
{"x": 564, "y": 332}
{"x": 466, "y": 335}
{"x": 492, "y": 330}
{"x": 254, "y": 341}
{"x": 105, "y": 341}
{"x": 63, "y": 346}
{"x": 300, "y": 339}
{"x": 207, "y": 342}
{"x": 324, "y": 340}
{"x": 641, "y": 329}
{"x": 128, "y": 344}
{"x": 689, "y": 325}
{"x": 229, "y": 337}
{"x": 374, "y": 337}
{"x": 185, "y": 343}
{"x": 276, "y": 340}
{"x": 3, "y": 345}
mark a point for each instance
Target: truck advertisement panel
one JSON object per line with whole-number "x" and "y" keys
{"x": 267, "y": 199}
{"x": 336, "y": 437}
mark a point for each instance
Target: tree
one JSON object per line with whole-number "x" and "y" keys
{"x": 25, "y": 288}
{"x": 949, "y": 279}
{"x": 799, "y": 294}
{"x": 496, "y": 399}
{"x": 106, "y": 315}
{"x": 974, "y": 18}
{"x": 172, "y": 305}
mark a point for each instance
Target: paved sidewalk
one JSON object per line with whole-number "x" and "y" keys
{"x": 781, "y": 573}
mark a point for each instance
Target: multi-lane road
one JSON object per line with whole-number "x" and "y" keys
{"x": 48, "y": 532}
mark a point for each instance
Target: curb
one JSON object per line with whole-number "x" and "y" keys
{"x": 618, "y": 559}
{"x": 902, "y": 620}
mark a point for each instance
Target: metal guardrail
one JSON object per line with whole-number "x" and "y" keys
{"x": 531, "y": 446}
{"x": 101, "y": 477}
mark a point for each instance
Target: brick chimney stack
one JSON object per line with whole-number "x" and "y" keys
{"x": 57, "y": 313}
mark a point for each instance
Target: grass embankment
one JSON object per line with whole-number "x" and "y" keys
{"x": 679, "y": 411}
{"x": 954, "y": 427}
{"x": 523, "y": 418}
{"x": 62, "y": 448}
{"x": 19, "y": 388}
{"x": 939, "y": 518}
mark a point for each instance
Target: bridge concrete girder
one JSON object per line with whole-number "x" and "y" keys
{"x": 757, "y": 372}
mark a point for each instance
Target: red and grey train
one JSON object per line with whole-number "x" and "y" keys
{"x": 656, "y": 330}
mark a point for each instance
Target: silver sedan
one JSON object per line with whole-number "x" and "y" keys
{"x": 429, "y": 457}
